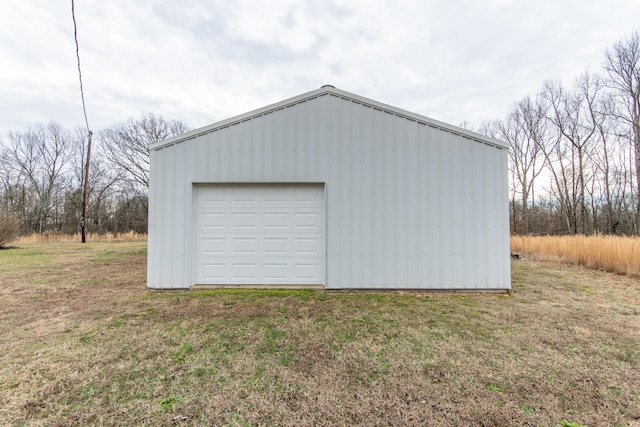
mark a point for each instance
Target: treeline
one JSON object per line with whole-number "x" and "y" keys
{"x": 575, "y": 151}
{"x": 41, "y": 176}
{"x": 574, "y": 161}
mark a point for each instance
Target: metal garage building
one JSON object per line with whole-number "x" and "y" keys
{"x": 332, "y": 189}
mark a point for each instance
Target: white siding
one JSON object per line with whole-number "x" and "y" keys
{"x": 409, "y": 203}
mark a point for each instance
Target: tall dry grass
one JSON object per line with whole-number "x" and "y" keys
{"x": 617, "y": 254}
{"x": 91, "y": 237}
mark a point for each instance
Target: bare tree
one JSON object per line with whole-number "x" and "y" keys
{"x": 125, "y": 145}
{"x": 7, "y": 179}
{"x": 568, "y": 114}
{"x": 9, "y": 227}
{"x": 524, "y": 131}
{"x": 41, "y": 175}
{"x": 609, "y": 186}
{"x": 40, "y": 159}
{"x": 623, "y": 68}
{"x": 589, "y": 140}
{"x": 494, "y": 129}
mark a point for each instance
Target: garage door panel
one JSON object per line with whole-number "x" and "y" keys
{"x": 219, "y": 198}
{"x": 305, "y": 271}
{"x": 245, "y": 245}
{"x": 301, "y": 197}
{"x": 277, "y": 220}
{"x": 262, "y": 234}
{"x": 274, "y": 197}
{"x": 244, "y": 220}
{"x": 211, "y": 219}
{"x": 245, "y": 196}
{"x": 275, "y": 271}
{"x": 244, "y": 271}
{"x": 306, "y": 246}
{"x": 268, "y": 272}
{"x": 213, "y": 245}
{"x": 263, "y": 245}
{"x": 306, "y": 220}
{"x": 275, "y": 245}
{"x": 212, "y": 270}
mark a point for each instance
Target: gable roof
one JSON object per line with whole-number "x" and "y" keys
{"x": 325, "y": 90}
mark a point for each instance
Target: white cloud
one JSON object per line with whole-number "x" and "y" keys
{"x": 202, "y": 61}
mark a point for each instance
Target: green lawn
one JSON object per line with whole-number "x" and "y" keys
{"x": 84, "y": 343}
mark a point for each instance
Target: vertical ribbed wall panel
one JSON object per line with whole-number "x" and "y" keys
{"x": 168, "y": 217}
{"x": 503, "y": 213}
{"x": 152, "y": 232}
{"x": 157, "y": 215}
{"x": 408, "y": 204}
{"x": 180, "y": 209}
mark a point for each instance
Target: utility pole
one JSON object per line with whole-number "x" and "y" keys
{"x": 83, "y": 220}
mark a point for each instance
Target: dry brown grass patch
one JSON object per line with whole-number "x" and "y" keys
{"x": 617, "y": 254}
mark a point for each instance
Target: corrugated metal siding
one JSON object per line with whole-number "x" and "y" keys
{"x": 409, "y": 205}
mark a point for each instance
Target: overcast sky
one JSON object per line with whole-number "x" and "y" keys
{"x": 204, "y": 61}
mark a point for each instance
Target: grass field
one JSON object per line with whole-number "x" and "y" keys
{"x": 51, "y": 237}
{"x": 84, "y": 343}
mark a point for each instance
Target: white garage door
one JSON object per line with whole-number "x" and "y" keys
{"x": 259, "y": 234}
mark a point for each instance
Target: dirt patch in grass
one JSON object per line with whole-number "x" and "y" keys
{"x": 84, "y": 343}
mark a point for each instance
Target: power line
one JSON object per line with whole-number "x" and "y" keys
{"x": 75, "y": 36}
{"x": 85, "y": 192}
